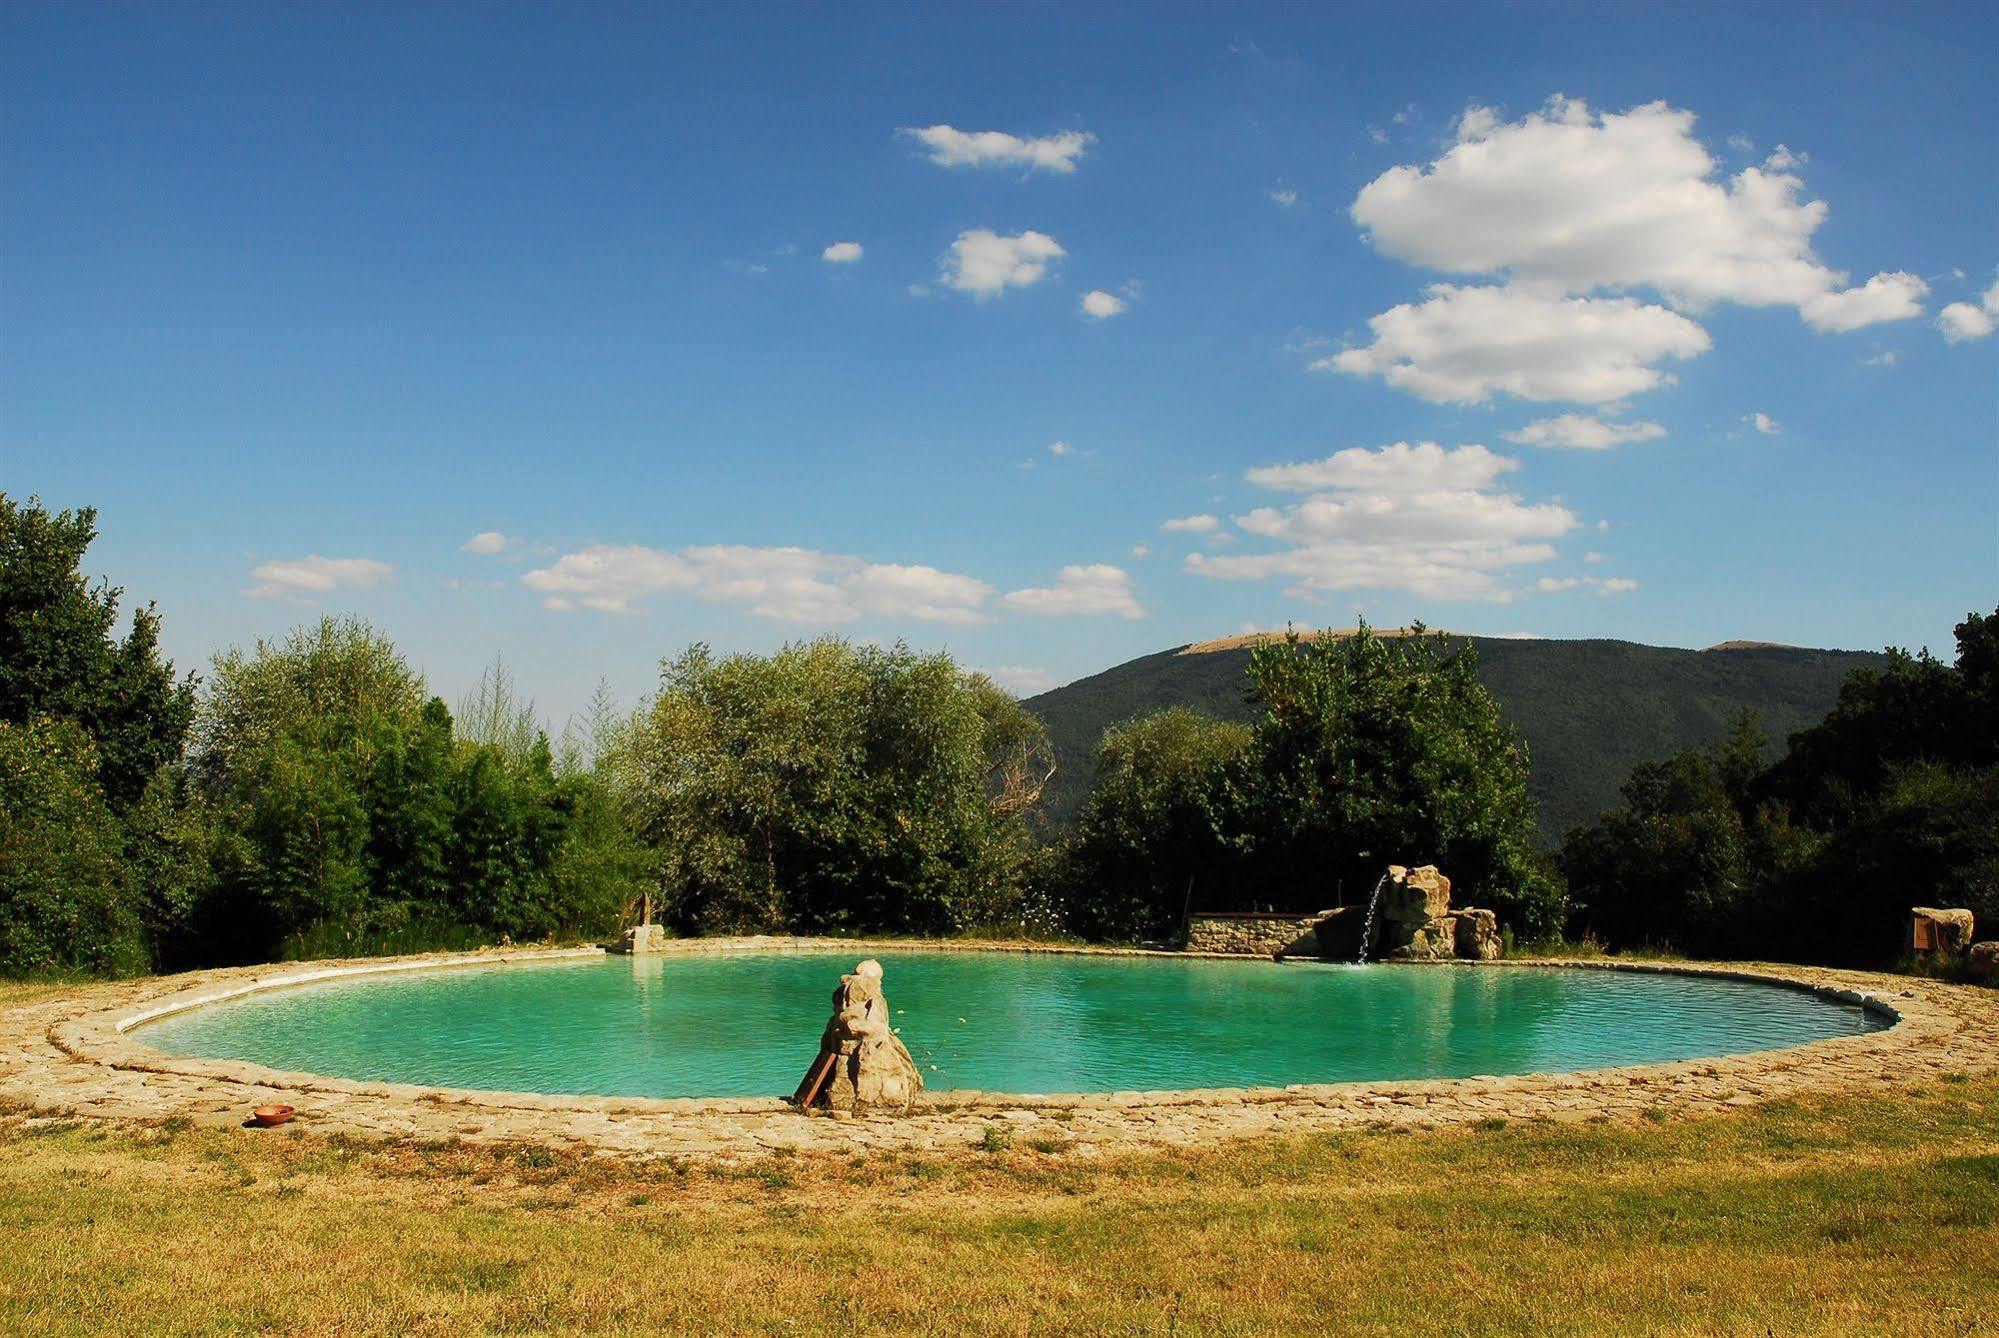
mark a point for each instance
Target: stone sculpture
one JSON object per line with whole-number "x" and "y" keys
{"x": 871, "y": 1070}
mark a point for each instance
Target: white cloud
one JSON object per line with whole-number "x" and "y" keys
{"x": 1420, "y": 519}
{"x": 842, "y": 253}
{"x": 1763, "y": 423}
{"x": 1102, "y": 305}
{"x": 1961, "y": 321}
{"x": 1063, "y": 448}
{"x": 1601, "y": 585}
{"x": 1285, "y": 198}
{"x": 1022, "y": 680}
{"x": 487, "y": 543}
{"x": 1095, "y": 589}
{"x": 1580, "y": 432}
{"x": 302, "y": 578}
{"x": 983, "y": 263}
{"x": 950, "y": 147}
{"x": 1885, "y": 297}
{"x": 789, "y": 584}
{"x": 1401, "y": 467}
{"x": 1584, "y": 200}
{"x": 1464, "y": 344}
{"x": 1782, "y": 159}
{"x": 1141, "y": 550}
{"x": 1887, "y": 358}
{"x": 1201, "y": 524}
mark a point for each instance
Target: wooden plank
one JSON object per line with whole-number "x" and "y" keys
{"x": 815, "y": 1078}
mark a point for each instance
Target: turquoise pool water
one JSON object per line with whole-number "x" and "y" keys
{"x": 748, "y": 1025}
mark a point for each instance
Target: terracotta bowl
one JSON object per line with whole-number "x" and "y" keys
{"x": 267, "y": 1116}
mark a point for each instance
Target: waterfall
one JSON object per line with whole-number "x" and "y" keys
{"x": 1367, "y": 925}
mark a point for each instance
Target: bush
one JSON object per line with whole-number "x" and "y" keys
{"x": 67, "y": 902}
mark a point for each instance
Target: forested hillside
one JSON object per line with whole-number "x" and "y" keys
{"x": 1589, "y": 710}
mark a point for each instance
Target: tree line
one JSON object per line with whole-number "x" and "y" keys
{"x": 310, "y": 796}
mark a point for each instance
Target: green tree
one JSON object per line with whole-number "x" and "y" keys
{"x": 1374, "y": 751}
{"x": 830, "y": 786}
{"x": 1150, "y": 835}
{"x": 67, "y": 903}
{"x": 59, "y": 657}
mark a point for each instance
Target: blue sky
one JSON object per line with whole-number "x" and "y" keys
{"x": 1670, "y": 324}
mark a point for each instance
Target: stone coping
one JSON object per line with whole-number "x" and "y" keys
{"x": 75, "y": 1056}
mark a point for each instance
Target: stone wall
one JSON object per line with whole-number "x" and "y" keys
{"x": 1248, "y": 935}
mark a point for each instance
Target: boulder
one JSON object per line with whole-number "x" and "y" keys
{"x": 1478, "y": 935}
{"x": 1432, "y": 941}
{"x": 1415, "y": 896}
{"x": 1338, "y": 932}
{"x": 872, "y": 1070}
{"x": 1939, "y": 932}
{"x": 1982, "y": 960}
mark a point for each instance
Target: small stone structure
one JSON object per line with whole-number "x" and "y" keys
{"x": 642, "y": 939}
{"x": 1249, "y": 934}
{"x": 871, "y": 1068}
{"x": 1939, "y": 933}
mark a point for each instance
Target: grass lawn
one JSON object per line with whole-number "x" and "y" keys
{"x": 1844, "y": 1215}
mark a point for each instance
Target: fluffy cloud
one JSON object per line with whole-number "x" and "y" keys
{"x": 1586, "y": 200}
{"x": 1885, "y": 297}
{"x": 983, "y": 263}
{"x": 1464, "y": 344}
{"x": 1961, "y": 321}
{"x": 1201, "y": 524}
{"x": 1763, "y": 423}
{"x": 950, "y": 147}
{"x": 1423, "y": 467}
{"x": 1570, "y": 211}
{"x": 1284, "y": 198}
{"x": 790, "y": 584}
{"x": 1580, "y": 432}
{"x": 487, "y": 543}
{"x": 1420, "y": 519}
{"x": 1102, "y": 305}
{"x": 1095, "y": 589}
{"x": 302, "y": 578}
{"x": 842, "y": 253}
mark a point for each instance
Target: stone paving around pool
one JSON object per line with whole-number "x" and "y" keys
{"x": 71, "y": 1057}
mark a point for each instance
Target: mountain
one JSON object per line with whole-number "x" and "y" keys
{"x": 1588, "y": 710}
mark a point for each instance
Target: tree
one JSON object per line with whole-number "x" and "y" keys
{"x": 67, "y": 903}
{"x": 1151, "y": 832}
{"x": 1374, "y": 751}
{"x": 60, "y": 659}
{"x": 829, "y": 787}
{"x": 1891, "y": 801}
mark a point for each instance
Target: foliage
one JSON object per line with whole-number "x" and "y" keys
{"x": 1891, "y": 801}
{"x": 1369, "y": 751}
{"x": 1588, "y": 711}
{"x": 67, "y": 902}
{"x": 831, "y": 787}
{"x": 1150, "y": 829}
{"x": 58, "y": 657}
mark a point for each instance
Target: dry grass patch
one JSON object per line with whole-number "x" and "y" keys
{"x": 1828, "y": 1216}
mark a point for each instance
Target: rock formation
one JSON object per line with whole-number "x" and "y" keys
{"x": 1418, "y": 924}
{"x": 871, "y": 1069}
{"x": 1939, "y": 933}
{"x": 1982, "y": 960}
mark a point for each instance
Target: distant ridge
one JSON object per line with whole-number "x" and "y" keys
{"x": 1248, "y": 639}
{"x": 1589, "y": 710}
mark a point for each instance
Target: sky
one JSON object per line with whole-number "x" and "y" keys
{"x": 1052, "y": 335}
